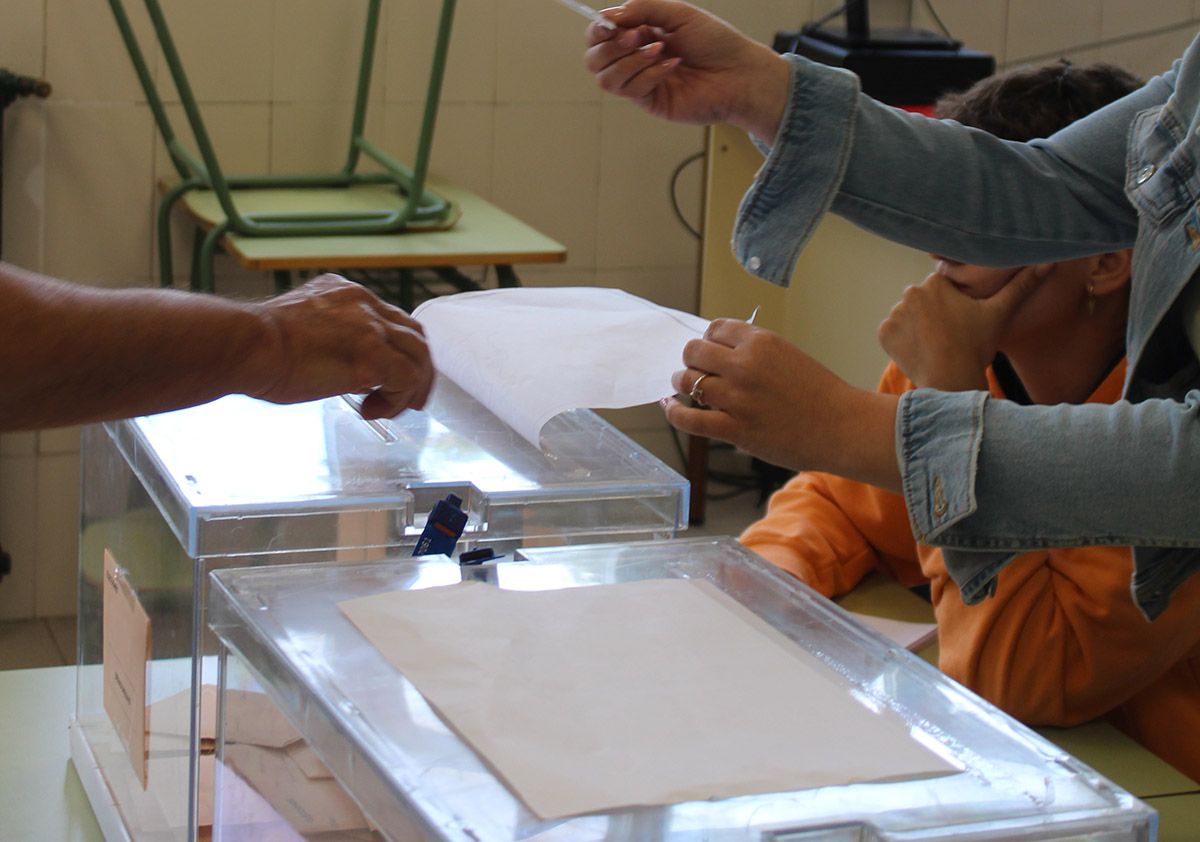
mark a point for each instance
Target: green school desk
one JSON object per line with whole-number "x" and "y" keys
{"x": 1098, "y": 744}
{"x": 484, "y": 235}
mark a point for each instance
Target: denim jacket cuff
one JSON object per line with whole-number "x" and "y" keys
{"x": 938, "y": 436}
{"x": 775, "y": 219}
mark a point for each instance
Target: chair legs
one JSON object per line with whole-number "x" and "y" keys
{"x": 203, "y": 279}
{"x": 163, "y": 228}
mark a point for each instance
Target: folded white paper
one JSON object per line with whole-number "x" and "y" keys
{"x": 528, "y": 354}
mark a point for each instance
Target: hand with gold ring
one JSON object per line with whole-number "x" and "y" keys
{"x": 777, "y": 403}
{"x": 697, "y": 392}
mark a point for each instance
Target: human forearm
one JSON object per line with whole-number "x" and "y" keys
{"x": 1132, "y": 471}
{"x": 920, "y": 181}
{"x": 75, "y": 354}
{"x": 986, "y": 479}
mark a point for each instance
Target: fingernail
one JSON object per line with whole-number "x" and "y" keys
{"x": 652, "y": 50}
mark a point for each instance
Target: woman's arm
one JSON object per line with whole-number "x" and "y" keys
{"x": 936, "y": 185}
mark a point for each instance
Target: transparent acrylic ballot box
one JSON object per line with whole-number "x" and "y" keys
{"x": 320, "y": 734}
{"x": 242, "y": 483}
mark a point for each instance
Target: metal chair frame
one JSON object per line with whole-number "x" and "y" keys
{"x": 202, "y": 171}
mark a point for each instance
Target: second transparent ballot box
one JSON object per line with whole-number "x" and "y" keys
{"x": 242, "y": 483}
{"x": 320, "y": 732}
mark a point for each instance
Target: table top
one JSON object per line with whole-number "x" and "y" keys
{"x": 41, "y": 797}
{"x": 1098, "y": 744}
{"x": 483, "y": 234}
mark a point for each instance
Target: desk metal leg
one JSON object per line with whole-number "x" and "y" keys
{"x": 455, "y": 278}
{"x": 506, "y": 277}
{"x": 402, "y": 285}
{"x": 697, "y": 474}
{"x": 407, "y": 291}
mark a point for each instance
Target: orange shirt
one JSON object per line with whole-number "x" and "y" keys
{"x": 1060, "y": 643}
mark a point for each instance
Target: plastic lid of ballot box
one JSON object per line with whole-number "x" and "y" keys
{"x": 283, "y": 634}
{"x": 241, "y": 476}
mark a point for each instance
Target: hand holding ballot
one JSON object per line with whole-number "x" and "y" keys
{"x": 332, "y": 335}
{"x": 610, "y": 349}
{"x": 768, "y": 397}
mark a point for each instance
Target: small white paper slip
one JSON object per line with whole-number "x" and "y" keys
{"x": 589, "y": 13}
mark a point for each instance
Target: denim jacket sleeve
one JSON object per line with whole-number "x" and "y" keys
{"x": 979, "y": 478}
{"x": 936, "y": 185}
{"x": 970, "y": 465}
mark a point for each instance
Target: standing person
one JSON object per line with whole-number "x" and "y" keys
{"x": 73, "y": 354}
{"x": 1125, "y": 473}
{"x": 1040, "y": 649}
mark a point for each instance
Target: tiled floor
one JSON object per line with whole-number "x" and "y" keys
{"x": 48, "y": 642}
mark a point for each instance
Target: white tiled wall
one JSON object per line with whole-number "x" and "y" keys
{"x": 521, "y": 123}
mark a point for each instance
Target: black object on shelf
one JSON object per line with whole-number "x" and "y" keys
{"x": 904, "y": 67}
{"x": 5, "y": 563}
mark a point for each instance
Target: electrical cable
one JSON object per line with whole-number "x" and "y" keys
{"x": 695, "y": 232}
{"x": 824, "y": 19}
{"x": 740, "y": 482}
{"x": 937, "y": 19}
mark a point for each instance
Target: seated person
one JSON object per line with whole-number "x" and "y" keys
{"x": 1061, "y": 640}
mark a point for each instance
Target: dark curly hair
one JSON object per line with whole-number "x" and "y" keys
{"x": 1036, "y": 101}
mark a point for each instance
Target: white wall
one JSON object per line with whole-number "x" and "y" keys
{"x": 521, "y": 123}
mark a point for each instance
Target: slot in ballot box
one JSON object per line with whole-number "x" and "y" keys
{"x": 241, "y": 483}
{"x": 320, "y": 733}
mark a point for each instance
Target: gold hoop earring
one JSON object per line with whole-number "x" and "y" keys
{"x": 1091, "y": 297}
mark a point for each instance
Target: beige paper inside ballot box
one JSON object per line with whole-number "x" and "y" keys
{"x": 600, "y": 698}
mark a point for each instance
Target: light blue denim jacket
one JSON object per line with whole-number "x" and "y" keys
{"x": 982, "y": 477}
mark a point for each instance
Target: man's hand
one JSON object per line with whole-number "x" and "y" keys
{"x": 942, "y": 338}
{"x": 771, "y": 399}
{"x": 683, "y": 64}
{"x": 332, "y": 336}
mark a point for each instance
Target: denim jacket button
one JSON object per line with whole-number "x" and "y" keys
{"x": 940, "y": 505}
{"x": 1193, "y": 236}
{"x": 1144, "y": 174}
{"x": 754, "y": 263}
